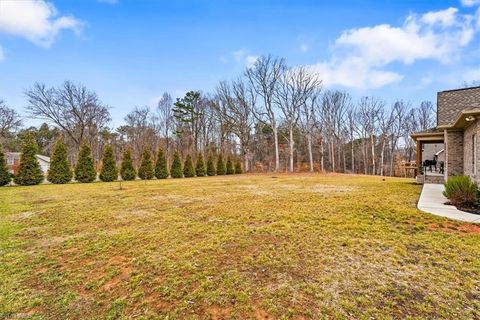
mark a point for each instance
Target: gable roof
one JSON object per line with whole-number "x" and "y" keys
{"x": 43, "y": 158}
{"x": 461, "y": 121}
{"x": 17, "y": 155}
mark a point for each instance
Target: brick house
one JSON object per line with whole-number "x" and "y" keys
{"x": 13, "y": 161}
{"x": 457, "y": 130}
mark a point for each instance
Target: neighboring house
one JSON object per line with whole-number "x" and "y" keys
{"x": 13, "y": 161}
{"x": 457, "y": 131}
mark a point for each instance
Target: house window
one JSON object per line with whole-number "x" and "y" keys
{"x": 474, "y": 154}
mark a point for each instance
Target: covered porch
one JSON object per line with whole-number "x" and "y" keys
{"x": 431, "y": 156}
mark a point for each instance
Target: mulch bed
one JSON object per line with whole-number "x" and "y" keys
{"x": 469, "y": 209}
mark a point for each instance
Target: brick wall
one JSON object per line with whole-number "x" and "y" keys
{"x": 451, "y": 103}
{"x": 454, "y": 153}
{"x": 468, "y": 161}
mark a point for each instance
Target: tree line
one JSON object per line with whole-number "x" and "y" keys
{"x": 84, "y": 171}
{"x": 272, "y": 118}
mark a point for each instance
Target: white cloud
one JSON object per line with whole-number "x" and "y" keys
{"x": 444, "y": 18}
{"x": 243, "y": 57}
{"x": 304, "y": 47}
{"x": 477, "y": 17}
{"x": 250, "y": 60}
{"x": 353, "y": 72}
{"x": 361, "y": 55}
{"x": 470, "y": 3}
{"x": 36, "y": 20}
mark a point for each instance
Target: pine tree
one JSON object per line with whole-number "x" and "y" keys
{"x": 5, "y": 177}
{"x": 188, "y": 170}
{"x": 85, "y": 169}
{"x": 145, "y": 172}
{"x": 59, "y": 171}
{"x": 211, "y": 171}
{"x": 221, "y": 170}
{"x": 29, "y": 171}
{"x": 127, "y": 171}
{"x": 238, "y": 166}
{"x": 161, "y": 168}
{"x": 200, "y": 167}
{"x": 176, "y": 169}
{"x": 230, "y": 169}
{"x": 109, "y": 170}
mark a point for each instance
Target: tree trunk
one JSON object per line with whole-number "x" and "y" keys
{"x": 310, "y": 154}
{"x": 333, "y": 155}
{"x": 353, "y": 157}
{"x": 277, "y": 153}
{"x": 374, "y": 171}
{"x": 291, "y": 147}
{"x": 382, "y": 156}
{"x": 392, "y": 153}
{"x": 322, "y": 167}
{"x": 364, "y": 151}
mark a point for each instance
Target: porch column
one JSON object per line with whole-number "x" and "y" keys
{"x": 445, "y": 147}
{"x": 419, "y": 156}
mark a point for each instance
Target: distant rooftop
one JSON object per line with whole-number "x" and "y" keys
{"x": 18, "y": 155}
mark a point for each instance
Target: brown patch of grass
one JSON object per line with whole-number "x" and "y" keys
{"x": 260, "y": 313}
{"x": 455, "y": 228}
{"x": 219, "y": 313}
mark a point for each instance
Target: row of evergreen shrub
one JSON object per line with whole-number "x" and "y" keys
{"x": 30, "y": 173}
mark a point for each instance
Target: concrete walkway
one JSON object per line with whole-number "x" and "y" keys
{"x": 432, "y": 201}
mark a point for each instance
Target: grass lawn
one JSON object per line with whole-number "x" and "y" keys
{"x": 240, "y": 247}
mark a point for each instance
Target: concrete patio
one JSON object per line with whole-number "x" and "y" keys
{"x": 433, "y": 201}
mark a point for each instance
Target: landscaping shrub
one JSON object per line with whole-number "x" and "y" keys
{"x": 59, "y": 171}
{"x": 230, "y": 169}
{"x": 85, "y": 169}
{"x": 200, "y": 167}
{"x": 5, "y": 176}
{"x": 461, "y": 190}
{"x": 127, "y": 170}
{"x": 211, "y": 171}
{"x": 145, "y": 172}
{"x": 29, "y": 171}
{"x": 221, "y": 170}
{"x": 188, "y": 170}
{"x": 161, "y": 168}
{"x": 238, "y": 166}
{"x": 109, "y": 170}
{"x": 176, "y": 169}
{"x": 477, "y": 200}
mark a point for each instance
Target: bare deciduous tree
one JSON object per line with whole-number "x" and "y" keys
{"x": 73, "y": 108}
{"x": 292, "y": 92}
{"x": 334, "y": 109}
{"x": 10, "y": 121}
{"x": 426, "y": 115}
{"x": 308, "y": 120}
{"x": 264, "y": 77}
{"x": 139, "y": 130}
{"x": 237, "y": 102}
{"x": 164, "y": 118}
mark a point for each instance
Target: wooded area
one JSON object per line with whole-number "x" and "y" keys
{"x": 273, "y": 117}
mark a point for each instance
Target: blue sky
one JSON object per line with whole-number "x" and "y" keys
{"x": 131, "y": 51}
